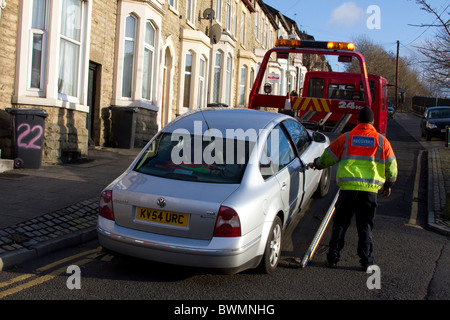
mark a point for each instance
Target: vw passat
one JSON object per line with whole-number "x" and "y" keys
{"x": 215, "y": 188}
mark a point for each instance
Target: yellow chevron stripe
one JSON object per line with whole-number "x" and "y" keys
{"x": 321, "y": 105}
{"x": 317, "y": 105}
{"x": 326, "y": 105}
{"x": 304, "y": 103}
{"x": 296, "y": 103}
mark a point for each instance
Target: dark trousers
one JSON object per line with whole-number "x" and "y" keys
{"x": 363, "y": 205}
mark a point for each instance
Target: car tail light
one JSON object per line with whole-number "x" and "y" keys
{"x": 106, "y": 205}
{"x": 228, "y": 223}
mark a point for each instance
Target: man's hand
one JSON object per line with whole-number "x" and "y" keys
{"x": 311, "y": 165}
{"x": 386, "y": 192}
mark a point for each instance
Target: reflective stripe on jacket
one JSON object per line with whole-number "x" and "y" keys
{"x": 366, "y": 160}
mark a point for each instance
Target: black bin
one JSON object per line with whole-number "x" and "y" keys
{"x": 29, "y": 128}
{"x": 123, "y": 121}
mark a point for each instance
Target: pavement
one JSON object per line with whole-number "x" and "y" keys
{"x": 53, "y": 207}
{"x": 439, "y": 184}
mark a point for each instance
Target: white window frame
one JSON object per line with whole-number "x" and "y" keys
{"x": 229, "y": 77}
{"x": 266, "y": 34}
{"x": 257, "y": 25}
{"x": 48, "y": 95}
{"x": 147, "y": 92}
{"x": 219, "y": 5}
{"x": 216, "y": 98}
{"x": 202, "y": 82}
{"x": 188, "y": 75}
{"x": 243, "y": 28}
{"x": 243, "y": 85}
{"x": 228, "y": 15}
{"x": 190, "y": 11}
{"x": 63, "y": 63}
{"x": 252, "y": 79}
{"x": 44, "y": 33}
{"x": 235, "y": 18}
{"x": 133, "y": 41}
{"x": 173, "y": 4}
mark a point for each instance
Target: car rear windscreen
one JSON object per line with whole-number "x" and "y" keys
{"x": 195, "y": 158}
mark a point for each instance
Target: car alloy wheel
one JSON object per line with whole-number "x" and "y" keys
{"x": 324, "y": 184}
{"x": 272, "y": 253}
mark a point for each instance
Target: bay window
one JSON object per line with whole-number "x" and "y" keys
{"x": 137, "y": 55}
{"x": 53, "y": 53}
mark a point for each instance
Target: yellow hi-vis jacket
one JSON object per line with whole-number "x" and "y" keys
{"x": 366, "y": 160}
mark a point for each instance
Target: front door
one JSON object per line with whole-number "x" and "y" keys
{"x": 91, "y": 102}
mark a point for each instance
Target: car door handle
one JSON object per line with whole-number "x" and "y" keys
{"x": 283, "y": 186}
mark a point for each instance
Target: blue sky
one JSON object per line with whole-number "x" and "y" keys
{"x": 345, "y": 20}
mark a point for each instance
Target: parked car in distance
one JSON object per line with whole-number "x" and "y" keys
{"x": 434, "y": 122}
{"x": 214, "y": 189}
{"x": 391, "y": 110}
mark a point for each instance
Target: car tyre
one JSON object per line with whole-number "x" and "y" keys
{"x": 324, "y": 184}
{"x": 272, "y": 252}
{"x": 428, "y": 136}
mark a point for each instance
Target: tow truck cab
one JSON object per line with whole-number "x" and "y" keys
{"x": 344, "y": 86}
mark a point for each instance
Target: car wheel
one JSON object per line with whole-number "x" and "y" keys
{"x": 324, "y": 184}
{"x": 428, "y": 135}
{"x": 272, "y": 252}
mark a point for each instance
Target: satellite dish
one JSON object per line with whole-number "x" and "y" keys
{"x": 215, "y": 33}
{"x": 208, "y": 14}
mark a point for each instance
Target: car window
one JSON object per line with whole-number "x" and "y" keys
{"x": 298, "y": 134}
{"x": 277, "y": 152}
{"x": 195, "y": 158}
{"x": 439, "y": 113}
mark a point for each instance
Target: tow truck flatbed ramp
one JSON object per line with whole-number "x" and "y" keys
{"x": 340, "y": 125}
{"x": 304, "y": 241}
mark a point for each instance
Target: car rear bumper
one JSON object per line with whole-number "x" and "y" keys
{"x": 227, "y": 254}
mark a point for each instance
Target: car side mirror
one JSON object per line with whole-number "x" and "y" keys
{"x": 319, "y": 137}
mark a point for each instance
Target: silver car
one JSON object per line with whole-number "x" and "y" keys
{"x": 214, "y": 189}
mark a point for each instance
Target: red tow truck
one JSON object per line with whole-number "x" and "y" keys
{"x": 330, "y": 101}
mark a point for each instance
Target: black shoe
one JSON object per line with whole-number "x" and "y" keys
{"x": 330, "y": 265}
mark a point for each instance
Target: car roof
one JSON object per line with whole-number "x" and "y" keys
{"x": 223, "y": 119}
{"x": 438, "y": 107}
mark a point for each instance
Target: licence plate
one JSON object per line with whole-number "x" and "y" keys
{"x": 163, "y": 217}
